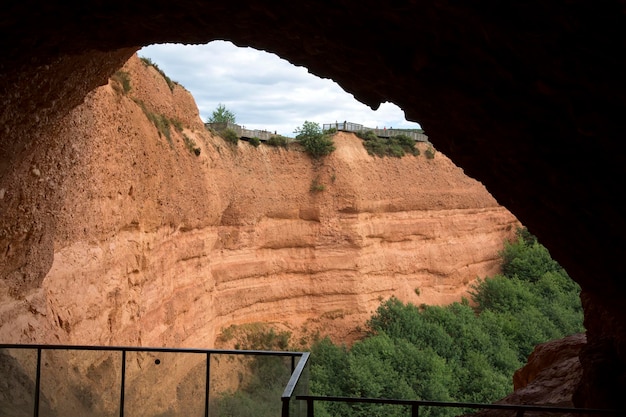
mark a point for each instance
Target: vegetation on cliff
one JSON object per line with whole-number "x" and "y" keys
{"x": 396, "y": 146}
{"x": 221, "y": 115}
{"x": 466, "y": 351}
{"x": 463, "y": 352}
{"x": 149, "y": 63}
{"x": 314, "y": 141}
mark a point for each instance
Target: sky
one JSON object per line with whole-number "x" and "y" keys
{"x": 262, "y": 90}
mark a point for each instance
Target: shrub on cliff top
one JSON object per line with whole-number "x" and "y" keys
{"x": 367, "y": 135}
{"x": 316, "y": 143}
{"x": 230, "y": 136}
{"x": 254, "y": 142}
{"x": 397, "y": 146}
{"x": 278, "y": 140}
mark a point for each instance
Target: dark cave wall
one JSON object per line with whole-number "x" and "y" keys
{"x": 528, "y": 97}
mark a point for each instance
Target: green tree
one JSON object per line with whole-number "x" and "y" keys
{"x": 459, "y": 352}
{"x": 316, "y": 143}
{"x": 221, "y": 115}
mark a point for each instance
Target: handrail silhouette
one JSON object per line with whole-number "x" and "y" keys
{"x": 289, "y": 393}
{"x": 520, "y": 409}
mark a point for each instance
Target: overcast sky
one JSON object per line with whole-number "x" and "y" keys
{"x": 263, "y": 90}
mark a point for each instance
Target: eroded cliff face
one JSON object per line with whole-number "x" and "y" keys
{"x": 148, "y": 244}
{"x": 550, "y": 377}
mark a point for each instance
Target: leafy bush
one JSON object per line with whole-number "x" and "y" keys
{"x": 367, "y": 135}
{"x": 230, "y": 136}
{"x": 396, "y": 146}
{"x": 255, "y": 142}
{"x": 457, "y": 352}
{"x": 429, "y": 152}
{"x": 330, "y": 131}
{"x": 277, "y": 141}
{"x": 313, "y": 140}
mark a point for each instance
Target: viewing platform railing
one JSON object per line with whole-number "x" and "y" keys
{"x": 241, "y": 131}
{"x": 415, "y": 134}
{"x": 59, "y": 380}
{"x": 413, "y": 406}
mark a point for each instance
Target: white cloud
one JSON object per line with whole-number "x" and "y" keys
{"x": 263, "y": 90}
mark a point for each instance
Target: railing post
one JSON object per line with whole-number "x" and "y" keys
{"x": 415, "y": 410}
{"x": 309, "y": 408}
{"x": 207, "y": 385}
{"x": 123, "y": 383}
{"x": 37, "y": 383}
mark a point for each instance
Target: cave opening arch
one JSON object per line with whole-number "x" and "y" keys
{"x": 528, "y": 98}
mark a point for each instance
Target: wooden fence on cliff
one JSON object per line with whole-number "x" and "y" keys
{"x": 416, "y": 134}
{"x": 242, "y": 132}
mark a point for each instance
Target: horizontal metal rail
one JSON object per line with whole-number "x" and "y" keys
{"x": 415, "y": 404}
{"x": 153, "y": 349}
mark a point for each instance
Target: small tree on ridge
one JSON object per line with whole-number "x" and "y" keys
{"x": 221, "y": 115}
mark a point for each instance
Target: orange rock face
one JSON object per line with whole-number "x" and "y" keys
{"x": 549, "y": 378}
{"x": 149, "y": 244}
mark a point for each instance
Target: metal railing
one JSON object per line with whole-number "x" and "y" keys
{"x": 241, "y": 131}
{"x": 22, "y": 369}
{"x": 72, "y": 370}
{"x": 415, "y": 134}
{"x": 295, "y": 382}
{"x": 518, "y": 409}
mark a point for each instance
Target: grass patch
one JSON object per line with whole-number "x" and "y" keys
{"x": 161, "y": 122}
{"x": 122, "y": 79}
{"x": 178, "y": 125}
{"x": 149, "y": 63}
{"x": 367, "y": 135}
{"x": 230, "y": 136}
{"x": 278, "y": 141}
{"x": 396, "y": 146}
{"x": 429, "y": 153}
{"x": 191, "y": 145}
{"x": 316, "y": 186}
{"x": 255, "y": 142}
{"x": 256, "y": 336}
